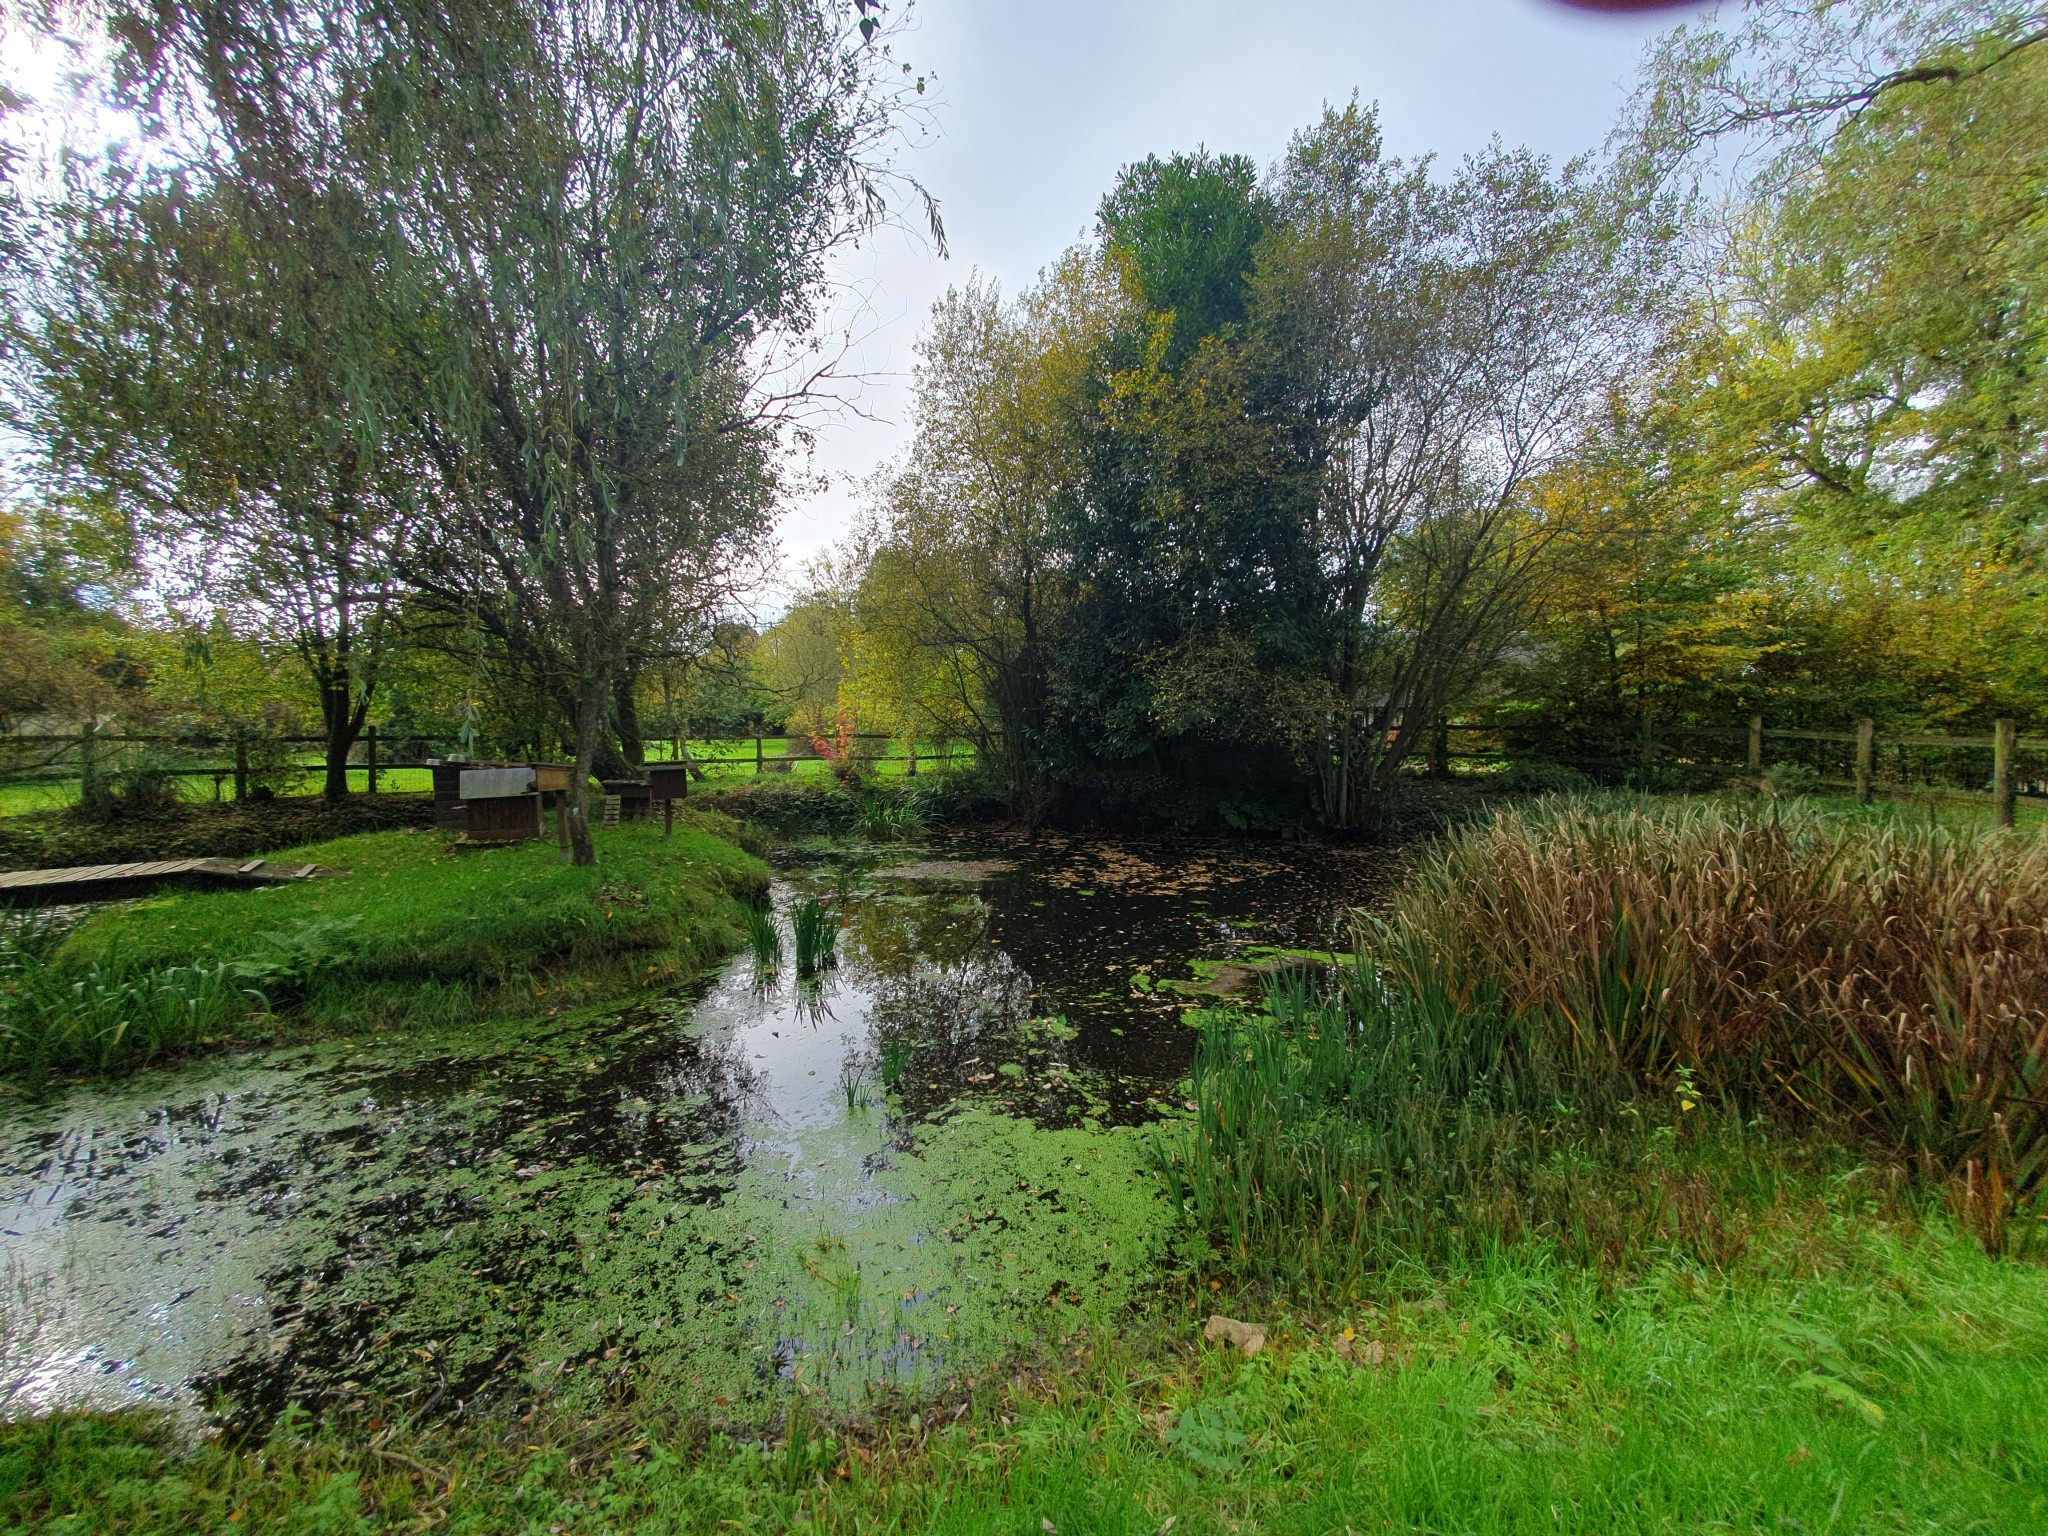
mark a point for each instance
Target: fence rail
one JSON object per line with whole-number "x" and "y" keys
{"x": 1867, "y": 746}
{"x": 76, "y": 759}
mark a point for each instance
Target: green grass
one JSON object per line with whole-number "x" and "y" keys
{"x": 416, "y": 933}
{"x": 1855, "y": 1376}
{"x": 1953, "y": 809}
{"x": 1503, "y": 1297}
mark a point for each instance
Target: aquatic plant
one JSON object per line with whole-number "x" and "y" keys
{"x": 1892, "y": 977}
{"x": 895, "y": 1057}
{"x": 53, "y": 1018}
{"x": 1292, "y": 995}
{"x": 890, "y": 816}
{"x": 816, "y": 932}
{"x": 765, "y": 939}
{"x": 1550, "y": 991}
{"x": 853, "y": 1082}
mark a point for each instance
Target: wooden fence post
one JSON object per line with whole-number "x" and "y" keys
{"x": 86, "y": 765}
{"x": 241, "y": 770}
{"x": 1866, "y": 753}
{"x": 370, "y": 755}
{"x": 757, "y": 752}
{"x": 1756, "y": 743}
{"x": 2002, "y": 743}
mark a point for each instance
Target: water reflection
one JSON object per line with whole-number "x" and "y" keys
{"x": 525, "y": 1208}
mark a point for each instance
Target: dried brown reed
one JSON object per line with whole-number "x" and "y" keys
{"x": 1890, "y": 974}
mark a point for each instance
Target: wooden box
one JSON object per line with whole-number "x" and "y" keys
{"x": 668, "y": 781}
{"x": 504, "y": 819}
{"x": 632, "y": 795}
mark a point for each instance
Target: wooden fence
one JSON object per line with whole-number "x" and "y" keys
{"x": 1717, "y": 746}
{"x": 237, "y": 762}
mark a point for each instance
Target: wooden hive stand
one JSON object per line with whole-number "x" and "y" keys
{"x": 553, "y": 779}
{"x": 668, "y": 783}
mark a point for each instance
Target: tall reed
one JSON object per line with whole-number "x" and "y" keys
{"x": 765, "y": 939}
{"x": 1893, "y": 976}
{"x": 816, "y": 932}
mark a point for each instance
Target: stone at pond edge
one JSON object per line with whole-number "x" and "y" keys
{"x": 1249, "y": 1337}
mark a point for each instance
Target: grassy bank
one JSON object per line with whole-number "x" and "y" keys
{"x": 416, "y": 934}
{"x": 1847, "y": 1374}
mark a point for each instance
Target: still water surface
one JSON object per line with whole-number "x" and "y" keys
{"x": 883, "y": 1178}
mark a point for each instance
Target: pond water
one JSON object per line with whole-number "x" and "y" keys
{"x": 884, "y": 1177}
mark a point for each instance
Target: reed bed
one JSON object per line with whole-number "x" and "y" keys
{"x": 1572, "y": 1019}
{"x": 1891, "y": 975}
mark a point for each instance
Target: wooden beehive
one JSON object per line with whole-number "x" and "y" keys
{"x": 668, "y": 781}
{"x": 632, "y": 795}
{"x": 501, "y": 804}
{"x": 505, "y": 819}
{"x": 552, "y": 778}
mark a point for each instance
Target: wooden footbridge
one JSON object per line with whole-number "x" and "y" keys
{"x": 103, "y": 882}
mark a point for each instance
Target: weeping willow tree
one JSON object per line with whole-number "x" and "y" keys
{"x": 606, "y": 220}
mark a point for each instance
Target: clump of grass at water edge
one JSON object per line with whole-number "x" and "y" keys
{"x": 815, "y": 931}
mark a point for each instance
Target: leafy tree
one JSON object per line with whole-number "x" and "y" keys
{"x": 799, "y": 660}
{"x": 969, "y": 570}
{"x": 200, "y": 356}
{"x": 600, "y": 213}
{"x": 1433, "y": 347}
{"x": 1188, "y": 227}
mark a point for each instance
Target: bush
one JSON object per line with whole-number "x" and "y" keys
{"x": 139, "y": 793}
{"x": 1893, "y": 976}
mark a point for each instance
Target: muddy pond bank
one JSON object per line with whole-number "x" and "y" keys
{"x": 888, "y": 1176}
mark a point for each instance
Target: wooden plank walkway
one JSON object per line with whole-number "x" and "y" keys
{"x": 99, "y": 882}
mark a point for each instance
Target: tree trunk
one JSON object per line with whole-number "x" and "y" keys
{"x": 342, "y": 717}
{"x": 590, "y": 723}
{"x": 626, "y": 715}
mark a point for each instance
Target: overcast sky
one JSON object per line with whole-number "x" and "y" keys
{"x": 1038, "y": 104}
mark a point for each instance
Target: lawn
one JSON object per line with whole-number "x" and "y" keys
{"x": 417, "y": 932}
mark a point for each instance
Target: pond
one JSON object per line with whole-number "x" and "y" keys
{"x": 884, "y": 1177}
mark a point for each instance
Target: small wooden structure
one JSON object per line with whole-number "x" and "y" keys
{"x": 501, "y": 804}
{"x": 553, "y": 779}
{"x": 449, "y": 815}
{"x": 632, "y": 795}
{"x": 104, "y": 882}
{"x": 668, "y": 783}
